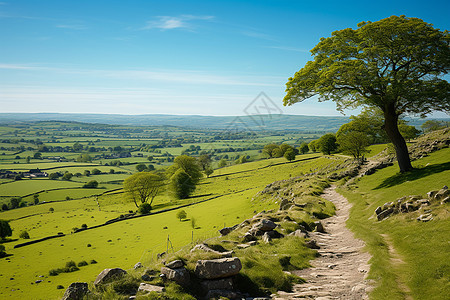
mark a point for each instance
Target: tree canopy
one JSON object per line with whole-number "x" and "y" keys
{"x": 395, "y": 64}
{"x": 143, "y": 186}
{"x": 5, "y": 229}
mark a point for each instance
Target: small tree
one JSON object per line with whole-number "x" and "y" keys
{"x": 208, "y": 171}
{"x": 24, "y": 235}
{"x": 327, "y": 143}
{"x": 141, "y": 167}
{"x": 96, "y": 172}
{"x": 354, "y": 143}
{"x": 87, "y": 173}
{"x": 36, "y": 199}
{"x": 182, "y": 184}
{"x": 5, "y": 229}
{"x": 289, "y": 154}
{"x": 142, "y": 187}
{"x": 14, "y": 202}
{"x": 432, "y": 125}
{"x": 93, "y": 184}
{"x": 181, "y": 215}
{"x": 67, "y": 176}
{"x": 313, "y": 147}
{"x": 303, "y": 148}
{"x": 222, "y": 163}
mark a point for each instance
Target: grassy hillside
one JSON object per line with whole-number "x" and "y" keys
{"x": 124, "y": 243}
{"x": 410, "y": 258}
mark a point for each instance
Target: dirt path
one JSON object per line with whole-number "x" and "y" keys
{"x": 340, "y": 270}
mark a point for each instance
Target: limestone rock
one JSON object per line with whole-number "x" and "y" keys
{"x": 217, "y": 284}
{"x": 425, "y": 217}
{"x": 204, "y": 247}
{"x": 179, "y": 275}
{"x": 319, "y": 226}
{"x": 443, "y": 193}
{"x": 108, "y": 274}
{"x": 285, "y": 204}
{"x": 76, "y": 291}
{"x": 299, "y": 233}
{"x": 138, "y": 266}
{"x": 145, "y": 287}
{"x": 385, "y": 213}
{"x": 218, "y": 268}
{"x": 175, "y": 264}
{"x": 312, "y": 244}
{"x": 218, "y": 294}
{"x": 226, "y": 230}
{"x": 265, "y": 225}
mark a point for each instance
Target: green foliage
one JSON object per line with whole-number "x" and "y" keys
{"x": 354, "y": 143}
{"x": 14, "y": 202}
{"x": 208, "y": 171}
{"x": 313, "y": 147}
{"x": 53, "y": 176}
{"x": 409, "y": 132}
{"x": 222, "y": 163}
{"x": 141, "y": 167}
{"x": 145, "y": 208}
{"x": 379, "y": 65}
{"x": 5, "y": 229}
{"x": 2, "y": 251}
{"x": 204, "y": 161}
{"x": 93, "y": 184}
{"x": 37, "y": 155}
{"x": 96, "y": 172}
{"x": 24, "y": 234}
{"x": 432, "y": 125}
{"x": 189, "y": 165}
{"x": 289, "y": 154}
{"x": 182, "y": 184}
{"x": 84, "y": 158}
{"x": 303, "y": 149}
{"x": 327, "y": 143}
{"x": 143, "y": 187}
{"x": 67, "y": 176}
{"x": 193, "y": 222}
{"x": 181, "y": 215}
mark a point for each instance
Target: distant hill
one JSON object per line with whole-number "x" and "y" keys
{"x": 255, "y": 122}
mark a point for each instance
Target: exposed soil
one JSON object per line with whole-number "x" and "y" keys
{"x": 341, "y": 269}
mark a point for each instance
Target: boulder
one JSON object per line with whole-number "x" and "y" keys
{"x": 266, "y": 225}
{"x": 138, "y": 266}
{"x": 108, "y": 274}
{"x": 385, "y": 213}
{"x": 76, "y": 291}
{"x": 179, "y": 275}
{"x": 219, "y": 294}
{"x": 425, "y": 217}
{"x": 175, "y": 264}
{"x": 299, "y": 233}
{"x": 387, "y": 205}
{"x": 145, "y": 287}
{"x": 319, "y": 226}
{"x": 431, "y": 194}
{"x": 147, "y": 277}
{"x": 442, "y": 194}
{"x": 218, "y": 268}
{"x": 217, "y": 284}
{"x": 248, "y": 237}
{"x": 378, "y": 210}
{"x": 285, "y": 204}
{"x": 204, "y": 247}
{"x": 312, "y": 244}
{"x": 266, "y": 238}
{"x": 445, "y": 200}
{"x": 226, "y": 230}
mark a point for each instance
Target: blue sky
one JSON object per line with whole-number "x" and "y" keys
{"x": 171, "y": 57}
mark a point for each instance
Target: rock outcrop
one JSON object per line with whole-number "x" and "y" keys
{"x": 109, "y": 274}
{"x": 76, "y": 291}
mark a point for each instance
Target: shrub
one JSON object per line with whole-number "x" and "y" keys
{"x": 2, "y": 250}
{"x": 59, "y": 287}
{"x": 84, "y": 226}
{"x": 181, "y": 215}
{"x": 51, "y": 209}
{"x": 145, "y": 208}
{"x": 93, "y": 261}
{"x": 54, "y": 272}
{"x": 91, "y": 184}
{"x": 71, "y": 266}
{"x": 24, "y": 235}
{"x": 82, "y": 263}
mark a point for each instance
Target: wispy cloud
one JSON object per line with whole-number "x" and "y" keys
{"x": 258, "y": 35}
{"x": 72, "y": 26}
{"x": 171, "y": 22}
{"x": 18, "y": 67}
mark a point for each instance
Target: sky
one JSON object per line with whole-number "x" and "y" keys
{"x": 173, "y": 57}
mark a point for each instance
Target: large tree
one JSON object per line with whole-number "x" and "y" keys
{"x": 5, "y": 229}
{"x": 143, "y": 187}
{"x": 395, "y": 64}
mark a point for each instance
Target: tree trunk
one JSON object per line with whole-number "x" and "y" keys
{"x": 391, "y": 128}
